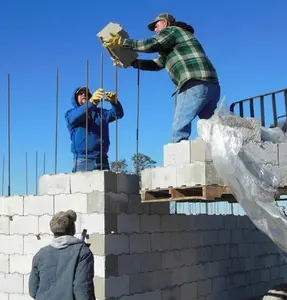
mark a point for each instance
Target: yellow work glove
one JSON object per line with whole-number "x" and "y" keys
{"x": 114, "y": 42}
{"x": 97, "y": 96}
{"x": 111, "y": 97}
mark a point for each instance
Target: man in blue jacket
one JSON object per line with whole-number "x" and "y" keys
{"x": 76, "y": 123}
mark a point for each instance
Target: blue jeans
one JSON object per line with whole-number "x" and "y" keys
{"x": 196, "y": 98}
{"x": 93, "y": 164}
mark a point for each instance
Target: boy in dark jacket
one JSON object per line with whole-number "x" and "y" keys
{"x": 83, "y": 100}
{"x": 64, "y": 269}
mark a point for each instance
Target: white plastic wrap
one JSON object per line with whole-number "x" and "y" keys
{"x": 254, "y": 187}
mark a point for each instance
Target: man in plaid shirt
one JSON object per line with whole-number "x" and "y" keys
{"x": 181, "y": 54}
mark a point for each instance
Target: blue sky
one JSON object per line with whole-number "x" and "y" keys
{"x": 245, "y": 40}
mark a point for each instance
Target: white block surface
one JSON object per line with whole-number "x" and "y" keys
{"x": 38, "y": 205}
{"x": 32, "y": 245}
{"x": 87, "y": 182}
{"x": 11, "y": 283}
{"x": 20, "y": 263}
{"x": 11, "y": 244}
{"x": 24, "y": 225}
{"x": 10, "y": 206}
{"x": 4, "y": 263}
{"x": 4, "y": 225}
{"x": 55, "y": 184}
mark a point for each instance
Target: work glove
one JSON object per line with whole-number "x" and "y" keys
{"x": 114, "y": 42}
{"x": 97, "y": 96}
{"x": 111, "y": 97}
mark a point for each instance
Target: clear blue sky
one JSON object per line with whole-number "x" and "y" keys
{"x": 246, "y": 41}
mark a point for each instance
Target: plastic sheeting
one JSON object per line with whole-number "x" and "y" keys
{"x": 253, "y": 185}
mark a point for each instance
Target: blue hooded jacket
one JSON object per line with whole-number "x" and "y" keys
{"x": 76, "y": 123}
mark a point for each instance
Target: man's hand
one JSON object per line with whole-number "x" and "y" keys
{"x": 113, "y": 42}
{"x": 111, "y": 97}
{"x": 97, "y": 96}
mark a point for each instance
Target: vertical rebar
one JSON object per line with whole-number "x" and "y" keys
{"x": 26, "y": 170}
{"x": 87, "y": 114}
{"x": 102, "y": 86}
{"x": 36, "y": 172}
{"x": 117, "y": 130}
{"x": 56, "y": 127}
{"x": 3, "y": 174}
{"x": 9, "y": 135}
{"x": 44, "y": 163}
{"x": 138, "y": 123}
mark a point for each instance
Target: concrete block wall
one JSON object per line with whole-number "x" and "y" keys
{"x": 140, "y": 250}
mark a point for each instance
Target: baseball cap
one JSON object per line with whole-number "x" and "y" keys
{"x": 163, "y": 16}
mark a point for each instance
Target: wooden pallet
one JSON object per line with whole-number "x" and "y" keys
{"x": 209, "y": 193}
{"x": 198, "y": 193}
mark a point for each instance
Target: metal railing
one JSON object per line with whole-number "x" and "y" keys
{"x": 277, "y": 104}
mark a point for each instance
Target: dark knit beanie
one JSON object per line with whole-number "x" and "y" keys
{"x": 63, "y": 223}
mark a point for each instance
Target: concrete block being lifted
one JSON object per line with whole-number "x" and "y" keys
{"x": 123, "y": 55}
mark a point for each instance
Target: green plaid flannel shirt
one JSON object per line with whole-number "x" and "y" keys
{"x": 179, "y": 52}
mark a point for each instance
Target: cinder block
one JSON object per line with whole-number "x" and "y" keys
{"x": 151, "y": 261}
{"x": 127, "y": 183}
{"x": 11, "y": 283}
{"x": 125, "y": 56}
{"x": 55, "y": 184}
{"x": 197, "y": 173}
{"x": 282, "y": 154}
{"x": 94, "y": 223}
{"x": 87, "y": 182}
{"x": 129, "y": 264}
{"x": 146, "y": 179}
{"x": 33, "y": 243}
{"x": 4, "y": 224}
{"x": 115, "y": 244}
{"x": 139, "y": 243}
{"x": 189, "y": 291}
{"x": 100, "y": 265}
{"x": 44, "y": 224}
{"x": 135, "y": 205}
{"x": 24, "y": 225}
{"x": 176, "y": 153}
{"x": 38, "y": 205}
{"x": 20, "y": 263}
{"x": 117, "y": 286}
{"x": 266, "y": 153}
{"x": 4, "y": 263}
{"x": 5, "y": 296}
{"x": 128, "y": 223}
{"x": 204, "y": 288}
{"x": 11, "y": 244}
{"x": 160, "y": 241}
{"x": 163, "y": 177}
{"x": 10, "y": 206}
{"x": 150, "y": 223}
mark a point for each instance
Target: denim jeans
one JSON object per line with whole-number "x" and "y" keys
{"x": 196, "y": 98}
{"x": 93, "y": 164}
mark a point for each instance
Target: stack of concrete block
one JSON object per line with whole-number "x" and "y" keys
{"x": 140, "y": 250}
{"x": 187, "y": 163}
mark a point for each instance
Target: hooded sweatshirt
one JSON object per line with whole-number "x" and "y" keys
{"x": 63, "y": 270}
{"x": 76, "y": 123}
